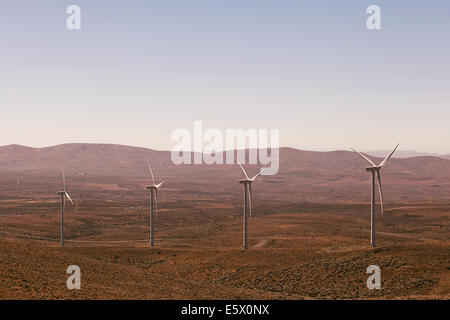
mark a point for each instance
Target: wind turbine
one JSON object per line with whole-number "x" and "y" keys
{"x": 63, "y": 195}
{"x": 153, "y": 198}
{"x": 375, "y": 169}
{"x": 247, "y": 182}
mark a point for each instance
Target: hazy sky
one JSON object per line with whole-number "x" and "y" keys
{"x": 137, "y": 70}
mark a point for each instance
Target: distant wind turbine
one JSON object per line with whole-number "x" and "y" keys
{"x": 375, "y": 169}
{"x": 153, "y": 199}
{"x": 63, "y": 195}
{"x": 247, "y": 182}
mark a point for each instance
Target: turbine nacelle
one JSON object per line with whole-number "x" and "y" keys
{"x": 65, "y": 194}
{"x": 154, "y": 187}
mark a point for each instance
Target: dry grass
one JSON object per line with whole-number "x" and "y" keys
{"x": 298, "y": 251}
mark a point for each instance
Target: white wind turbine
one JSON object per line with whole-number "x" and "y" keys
{"x": 247, "y": 182}
{"x": 153, "y": 199}
{"x": 375, "y": 169}
{"x": 63, "y": 195}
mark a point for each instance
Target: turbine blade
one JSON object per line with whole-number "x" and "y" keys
{"x": 64, "y": 179}
{"x": 151, "y": 172}
{"x": 363, "y": 156}
{"x": 250, "y": 198}
{"x": 68, "y": 197}
{"x": 246, "y": 176}
{"x": 388, "y": 157}
{"x": 253, "y": 179}
{"x": 160, "y": 184}
{"x": 381, "y": 191}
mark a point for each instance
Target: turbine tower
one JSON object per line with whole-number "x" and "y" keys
{"x": 63, "y": 195}
{"x": 375, "y": 169}
{"x": 247, "y": 182}
{"x": 153, "y": 199}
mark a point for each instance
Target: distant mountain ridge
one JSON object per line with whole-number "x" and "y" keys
{"x": 303, "y": 175}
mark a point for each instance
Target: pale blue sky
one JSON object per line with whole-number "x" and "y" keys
{"x": 140, "y": 69}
